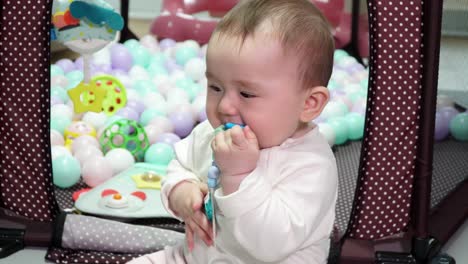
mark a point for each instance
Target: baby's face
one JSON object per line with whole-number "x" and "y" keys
{"x": 256, "y": 86}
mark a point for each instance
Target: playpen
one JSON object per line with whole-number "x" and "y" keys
{"x": 401, "y": 195}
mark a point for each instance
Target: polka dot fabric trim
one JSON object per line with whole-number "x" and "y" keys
{"x": 383, "y": 197}
{"x": 25, "y": 164}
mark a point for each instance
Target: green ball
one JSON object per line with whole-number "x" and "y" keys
{"x": 459, "y": 126}
{"x": 340, "y": 127}
{"x": 74, "y": 78}
{"x": 355, "y": 124}
{"x": 339, "y": 55}
{"x": 159, "y": 154}
{"x": 55, "y": 70}
{"x": 158, "y": 59}
{"x": 157, "y": 70}
{"x": 184, "y": 54}
{"x": 144, "y": 87}
{"x": 59, "y": 92}
{"x": 132, "y": 44}
{"x": 141, "y": 56}
{"x": 59, "y": 123}
{"x": 66, "y": 171}
{"x": 148, "y": 115}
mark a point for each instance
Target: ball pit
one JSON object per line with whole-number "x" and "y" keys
{"x": 164, "y": 83}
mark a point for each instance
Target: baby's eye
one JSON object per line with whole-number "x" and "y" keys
{"x": 247, "y": 95}
{"x": 214, "y": 88}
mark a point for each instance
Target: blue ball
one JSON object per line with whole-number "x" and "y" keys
{"x": 59, "y": 123}
{"x": 66, "y": 171}
{"x": 55, "y": 70}
{"x": 59, "y": 92}
{"x": 355, "y": 124}
{"x": 144, "y": 87}
{"x": 341, "y": 129}
{"x": 141, "y": 56}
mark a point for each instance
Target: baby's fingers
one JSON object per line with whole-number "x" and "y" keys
{"x": 189, "y": 236}
{"x": 200, "y": 232}
{"x": 237, "y": 136}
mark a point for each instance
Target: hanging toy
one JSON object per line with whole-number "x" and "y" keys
{"x": 87, "y": 26}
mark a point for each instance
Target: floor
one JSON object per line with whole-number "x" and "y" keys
{"x": 452, "y": 76}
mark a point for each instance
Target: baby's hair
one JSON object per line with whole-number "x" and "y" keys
{"x": 298, "y": 24}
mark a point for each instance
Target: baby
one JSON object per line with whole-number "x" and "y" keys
{"x": 268, "y": 64}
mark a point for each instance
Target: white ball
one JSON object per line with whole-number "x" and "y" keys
{"x": 58, "y": 151}
{"x": 83, "y": 142}
{"x": 153, "y": 132}
{"x": 184, "y": 107}
{"x": 97, "y": 120}
{"x": 96, "y": 170}
{"x": 56, "y": 138}
{"x": 59, "y": 80}
{"x": 163, "y": 86}
{"x": 156, "y": 101}
{"x": 137, "y": 72}
{"x": 61, "y": 109}
{"x": 163, "y": 123}
{"x": 191, "y": 43}
{"x": 132, "y": 94}
{"x": 120, "y": 159}
{"x": 150, "y": 43}
{"x": 328, "y": 132}
{"x": 176, "y": 75}
{"x": 199, "y": 103}
{"x": 195, "y": 69}
{"x": 177, "y": 96}
{"x": 102, "y": 57}
{"x": 87, "y": 152}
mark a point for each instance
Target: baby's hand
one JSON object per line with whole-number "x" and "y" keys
{"x": 186, "y": 200}
{"x": 236, "y": 152}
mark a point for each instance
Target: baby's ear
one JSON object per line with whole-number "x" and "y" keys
{"x": 316, "y": 99}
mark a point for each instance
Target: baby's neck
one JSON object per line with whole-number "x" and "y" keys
{"x": 303, "y": 129}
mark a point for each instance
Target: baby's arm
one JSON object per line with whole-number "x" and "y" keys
{"x": 260, "y": 215}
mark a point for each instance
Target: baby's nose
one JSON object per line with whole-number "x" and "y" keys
{"x": 227, "y": 106}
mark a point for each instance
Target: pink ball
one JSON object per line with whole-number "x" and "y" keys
{"x": 96, "y": 170}
{"x": 56, "y": 139}
{"x": 87, "y": 152}
{"x": 153, "y": 132}
{"x": 84, "y": 141}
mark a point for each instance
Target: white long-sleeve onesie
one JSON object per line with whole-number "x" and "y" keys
{"x": 283, "y": 211}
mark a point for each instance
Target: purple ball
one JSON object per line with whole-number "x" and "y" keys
{"x": 166, "y": 43}
{"x": 121, "y": 58}
{"x": 128, "y": 113}
{"x": 67, "y": 65}
{"x": 442, "y": 127}
{"x": 171, "y": 65}
{"x": 139, "y": 107}
{"x": 183, "y": 123}
{"x": 448, "y": 112}
{"x": 103, "y": 68}
{"x": 168, "y": 138}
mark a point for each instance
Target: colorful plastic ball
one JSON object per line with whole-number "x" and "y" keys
{"x": 171, "y": 66}
{"x": 57, "y": 151}
{"x": 143, "y": 87}
{"x": 96, "y": 170}
{"x": 56, "y": 139}
{"x": 191, "y": 43}
{"x": 149, "y": 42}
{"x": 97, "y": 120}
{"x": 328, "y": 132}
{"x": 66, "y": 171}
{"x": 334, "y": 109}
{"x": 63, "y": 110}
{"x": 74, "y": 78}
{"x": 66, "y": 65}
{"x": 121, "y": 58}
{"x": 202, "y": 116}
{"x": 83, "y": 141}
{"x": 459, "y": 127}
{"x": 183, "y": 123}
{"x": 448, "y": 112}
{"x": 153, "y": 133}
{"x": 355, "y": 124}
{"x": 168, "y": 138}
{"x": 59, "y": 80}
{"x": 340, "y": 127}
{"x": 131, "y": 44}
{"x": 441, "y": 130}
{"x": 158, "y": 59}
{"x": 125, "y": 133}
{"x": 54, "y": 100}
{"x": 59, "y": 92}
{"x": 339, "y": 55}
{"x": 120, "y": 159}
{"x": 137, "y": 72}
{"x": 166, "y": 43}
{"x": 155, "y": 100}
{"x": 148, "y": 115}
{"x": 136, "y": 105}
{"x": 162, "y": 122}
{"x": 360, "y": 106}
{"x": 141, "y": 56}
{"x": 155, "y": 70}
{"x": 128, "y": 113}
{"x": 55, "y": 70}
{"x": 184, "y": 53}
{"x": 59, "y": 122}
{"x": 87, "y": 152}
{"x": 159, "y": 154}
